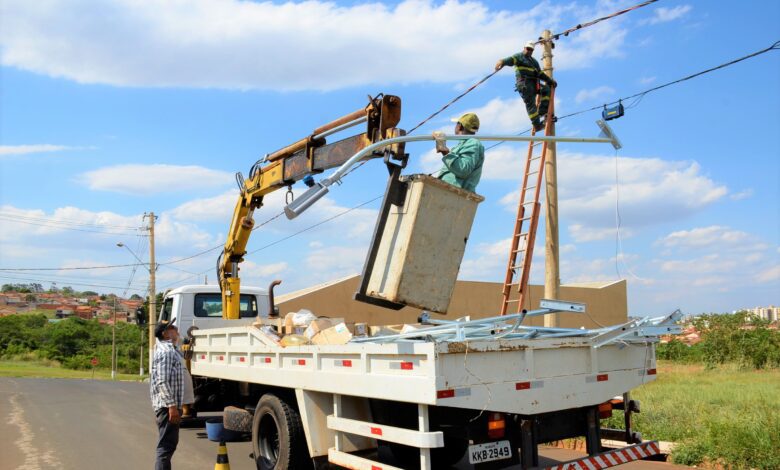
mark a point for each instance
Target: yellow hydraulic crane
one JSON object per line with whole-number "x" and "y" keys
{"x": 308, "y": 156}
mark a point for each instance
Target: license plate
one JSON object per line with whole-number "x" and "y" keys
{"x": 479, "y": 453}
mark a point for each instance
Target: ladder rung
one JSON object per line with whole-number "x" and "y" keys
{"x": 529, "y": 202}
{"x": 525, "y": 218}
{"x": 530, "y": 187}
{"x": 511, "y": 301}
{"x": 519, "y": 250}
{"x": 521, "y": 234}
{"x": 533, "y": 172}
{"x": 536, "y": 158}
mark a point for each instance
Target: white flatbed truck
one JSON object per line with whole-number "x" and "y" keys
{"x": 429, "y": 402}
{"x": 490, "y": 389}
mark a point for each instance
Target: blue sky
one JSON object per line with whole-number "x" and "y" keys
{"x": 112, "y": 111}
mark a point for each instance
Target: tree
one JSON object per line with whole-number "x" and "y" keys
{"x": 136, "y": 297}
{"x": 30, "y": 298}
{"x": 67, "y": 290}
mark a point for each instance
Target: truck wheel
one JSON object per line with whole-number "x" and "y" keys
{"x": 278, "y": 440}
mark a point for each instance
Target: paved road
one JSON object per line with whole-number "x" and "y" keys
{"x": 91, "y": 424}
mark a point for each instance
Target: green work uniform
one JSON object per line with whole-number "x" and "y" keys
{"x": 527, "y": 75}
{"x": 463, "y": 165}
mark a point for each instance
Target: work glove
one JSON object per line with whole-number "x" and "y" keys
{"x": 499, "y": 65}
{"x": 441, "y": 142}
{"x": 553, "y": 83}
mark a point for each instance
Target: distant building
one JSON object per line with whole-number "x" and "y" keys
{"x": 770, "y": 314}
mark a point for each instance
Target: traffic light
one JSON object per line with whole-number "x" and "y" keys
{"x": 140, "y": 316}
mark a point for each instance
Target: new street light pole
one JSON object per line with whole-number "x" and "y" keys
{"x": 113, "y": 343}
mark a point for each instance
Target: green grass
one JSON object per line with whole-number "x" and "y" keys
{"x": 52, "y": 369}
{"x": 726, "y": 415}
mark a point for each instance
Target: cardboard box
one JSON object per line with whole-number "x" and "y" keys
{"x": 338, "y": 334}
{"x": 320, "y": 324}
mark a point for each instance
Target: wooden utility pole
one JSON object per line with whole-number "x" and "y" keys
{"x": 152, "y": 290}
{"x": 113, "y": 343}
{"x": 552, "y": 277}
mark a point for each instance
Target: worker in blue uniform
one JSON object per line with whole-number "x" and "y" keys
{"x": 527, "y": 76}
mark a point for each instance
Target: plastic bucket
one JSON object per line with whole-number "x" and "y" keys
{"x": 214, "y": 429}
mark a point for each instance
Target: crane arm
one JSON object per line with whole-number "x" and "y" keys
{"x": 282, "y": 168}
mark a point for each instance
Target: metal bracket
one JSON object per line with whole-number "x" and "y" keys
{"x": 562, "y": 306}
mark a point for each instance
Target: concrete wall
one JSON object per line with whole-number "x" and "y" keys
{"x": 606, "y": 303}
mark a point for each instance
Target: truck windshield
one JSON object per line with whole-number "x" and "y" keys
{"x": 210, "y": 305}
{"x": 167, "y": 309}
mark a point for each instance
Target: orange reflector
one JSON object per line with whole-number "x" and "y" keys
{"x": 376, "y": 431}
{"x": 267, "y": 360}
{"x": 346, "y": 363}
{"x": 605, "y": 406}
{"x": 445, "y": 394}
{"x": 602, "y": 377}
{"x": 301, "y": 362}
{"x": 522, "y": 385}
{"x": 496, "y": 425}
{"x": 407, "y": 365}
{"x": 650, "y": 371}
{"x": 241, "y": 359}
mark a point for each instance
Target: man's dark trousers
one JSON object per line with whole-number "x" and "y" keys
{"x": 528, "y": 90}
{"x": 168, "y": 440}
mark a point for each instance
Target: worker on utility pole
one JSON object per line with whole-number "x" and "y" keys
{"x": 527, "y": 75}
{"x": 463, "y": 164}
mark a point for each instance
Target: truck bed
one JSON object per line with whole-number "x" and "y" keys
{"x": 522, "y": 376}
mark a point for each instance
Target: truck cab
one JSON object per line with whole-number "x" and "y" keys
{"x": 201, "y": 306}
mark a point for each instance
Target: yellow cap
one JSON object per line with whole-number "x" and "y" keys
{"x": 469, "y": 121}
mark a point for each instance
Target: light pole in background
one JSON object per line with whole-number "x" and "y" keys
{"x": 122, "y": 245}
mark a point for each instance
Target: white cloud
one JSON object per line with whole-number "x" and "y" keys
{"x": 647, "y": 80}
{"x": 583, "y": 233}
{"x": 651, "y": 191}
{"x": 664, "y": 14}
{"x": 771, "y": 274}
{"x": 151, "y": 179}
{"x": 259, "y": 45}
{"x": 593, "y": 94}
{"x": 747, "y": 193}
{"x": 8, "y": 150}
{"x": 705, "y": 236}
{"x": 211, "y": 209}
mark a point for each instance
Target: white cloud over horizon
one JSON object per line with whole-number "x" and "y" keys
{"x": 12, "y": 150}
{"x": 224, "y": 43}
{"x": 665, "y": 15}
{"x": 153, "y": 178}
{"x": 593, "y": 94}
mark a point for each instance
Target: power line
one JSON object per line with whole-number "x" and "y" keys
{"x": 71, "y": 283}
{"x": 60, "y": 227}
{"x": 65, "y": 221}
{"x": 110, "y": 266}
{"x": 639, "y": 96}
{"x": 597, "y": 20}
{"x": 555, "y": 36}
{"x": 276, "y": 242}
{"x": 642, "y": 94}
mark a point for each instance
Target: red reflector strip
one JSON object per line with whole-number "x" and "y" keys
{"x": 241, "y": 359}
{"x": 300, "y": 362}
{"x": 602, "y": 377}
{"x": 203, "y": 356}
{"x": 445, "y": 394}
{"x": 221, "y": 358}
{"x": 376, "y": 431}
{"x": 522, "y": 385}
{"x": 407, "y": 365}
{"x": 650, "y": 371}
{"x": 376, "y": 467}
{"x": 346, "y": 363}
{"x": 267, "y": 360}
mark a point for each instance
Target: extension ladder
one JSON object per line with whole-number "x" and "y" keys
{"x": 522, "y": 245}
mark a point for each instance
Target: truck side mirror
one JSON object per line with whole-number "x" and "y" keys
{"x": 273, "y": 310}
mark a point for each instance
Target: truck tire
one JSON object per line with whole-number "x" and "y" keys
{"x": 236, "y": 419}
{"x": 278, "y": 441}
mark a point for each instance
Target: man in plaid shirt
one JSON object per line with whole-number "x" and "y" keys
{"x": 167, "y": 390}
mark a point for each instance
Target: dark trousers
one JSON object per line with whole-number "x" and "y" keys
{"x": 168, "y": 440}
{"x": 528, "y": 90}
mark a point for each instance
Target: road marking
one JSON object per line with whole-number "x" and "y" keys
{"x": 34, "y": 459}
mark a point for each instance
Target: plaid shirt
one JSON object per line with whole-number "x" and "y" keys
{"x": 167, "y": 377}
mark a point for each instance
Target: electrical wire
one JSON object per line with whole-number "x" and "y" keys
{"x": 554, "y": 37}
{"x": 109, "y": 266}
{"x": 565, "y": 33}
{"x": 276, "y": 242}
{"x": 62, "y": 227}
{"x": 71, "y": 283}
{"x": 65, "y": 221}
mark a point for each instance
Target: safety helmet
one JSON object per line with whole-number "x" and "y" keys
{"x": 469, "y": 121}
{"x": 530, "y": 45}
